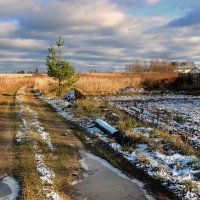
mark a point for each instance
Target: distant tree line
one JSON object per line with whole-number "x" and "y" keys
{"x": 155, "y": 65}
{"x": 35, "y": 71}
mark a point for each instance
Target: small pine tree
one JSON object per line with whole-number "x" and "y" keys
{"x": 59, "y": 69}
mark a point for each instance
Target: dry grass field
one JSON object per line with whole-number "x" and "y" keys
{"x": 106, "y": 83}
{"x": 101, "y": 83}
{"x": 89, "y": 83}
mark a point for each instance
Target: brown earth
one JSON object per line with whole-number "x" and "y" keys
{"x": 6, "y": 133}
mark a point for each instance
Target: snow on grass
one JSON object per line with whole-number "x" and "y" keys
{"x": 39, "y": 129}
{"x": 52, "y": 196}
{"x": 19, "y": 136}
{"x": 46, "y": 175}
{"x": 143, "y": 130}
{"x": 14, "y": 187}
{"x": 177, "y": 113}
{"x": 22, "y": 132}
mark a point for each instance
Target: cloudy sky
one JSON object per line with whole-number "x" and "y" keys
{"x": 99, "y": 34}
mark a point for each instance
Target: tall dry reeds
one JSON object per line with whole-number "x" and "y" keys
{"x": 158, "y": 80}
{"x": 104, "y": 83}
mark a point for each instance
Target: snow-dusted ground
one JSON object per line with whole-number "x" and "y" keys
{"x": 29, "y": 128}
{"x": 176, "y": 172}
{"x": 176, "y": 113}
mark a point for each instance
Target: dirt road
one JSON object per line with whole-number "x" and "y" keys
{"x": 47, "y": 160}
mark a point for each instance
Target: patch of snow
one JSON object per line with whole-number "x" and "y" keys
{"x": 143, "y": 130}
{"x": 52, "y": 195}
{"x": 40, "y": 130}
{"x": 83, "y": 164}
{"x": 23, "y": 131}
{"x": 19, "y": 137}
{"x": 45, "y": 173}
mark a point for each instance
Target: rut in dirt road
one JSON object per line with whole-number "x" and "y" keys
{"x": 9, "y": 187}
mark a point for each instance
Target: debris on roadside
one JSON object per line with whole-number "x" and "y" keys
{"x": 105, "y": 126}
{"x": 73, "y": 95}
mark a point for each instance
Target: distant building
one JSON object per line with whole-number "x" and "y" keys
{"x": 195, "y": 70}
{"x": 183, "y": 67}
{"x": 191, "y": 76}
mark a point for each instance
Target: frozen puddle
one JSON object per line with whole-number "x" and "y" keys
{"x": 9, "y": 188}
{"x": 102, "y": 181}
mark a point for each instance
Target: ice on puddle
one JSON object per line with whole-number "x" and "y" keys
{"x": 14, "y": 187}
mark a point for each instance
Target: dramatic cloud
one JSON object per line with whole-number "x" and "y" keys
{"x": 192, "y": 18}
{"x": 99, "y": 35}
